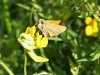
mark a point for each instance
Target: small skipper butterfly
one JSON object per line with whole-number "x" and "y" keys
{"x": 51, "y": 28}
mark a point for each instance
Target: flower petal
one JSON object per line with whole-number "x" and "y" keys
{"x": 95, "y": 26}
{"x": 41, "y": 42}
{"x": 37, "y": 58}
{"x": 44, "y": 42}
{"x": 88, "y": 20}
{"x": 27, "y": 30}
{"x": 32, "y": 31}
{"x": 88, "y": 30}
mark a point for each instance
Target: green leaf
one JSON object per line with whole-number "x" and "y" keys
{"x": 95, "y": 55}
{"x": 23, "y": 6}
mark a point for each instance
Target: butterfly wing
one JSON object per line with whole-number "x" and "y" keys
{"x": 55, "y": 30}
{"x": 50, "y": 27}
{"x": 56, "y": 22}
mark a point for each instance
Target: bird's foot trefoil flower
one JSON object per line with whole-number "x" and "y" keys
{"x": 31, "y": 40}
{"x": 92, "y": 27}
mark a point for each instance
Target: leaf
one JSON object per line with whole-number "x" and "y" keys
{"x": 74, "y": 69}
{"x": 23, "y": 6}
{"x": 95, "y": 55}
{"x": 84, "y": 60}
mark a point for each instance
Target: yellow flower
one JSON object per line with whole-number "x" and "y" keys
{"x": 88, "y": 20}
{"x": 40, "y": 41}
{"x": 92, "y": 28}
{"x": 29, "y": 40}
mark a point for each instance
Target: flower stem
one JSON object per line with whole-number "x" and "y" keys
{"x": 25, "y": 62}
{"x": 6, "y": 68}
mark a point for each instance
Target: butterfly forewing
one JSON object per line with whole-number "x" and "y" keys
{"x": 56, "y": 22}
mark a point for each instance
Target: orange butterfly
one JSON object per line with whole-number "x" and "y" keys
{"x": 51, "y": 28}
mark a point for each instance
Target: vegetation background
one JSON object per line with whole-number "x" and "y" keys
{"x": 71, "y": 50}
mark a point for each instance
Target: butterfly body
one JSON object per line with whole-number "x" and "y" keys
{"x": 50, "y": 28}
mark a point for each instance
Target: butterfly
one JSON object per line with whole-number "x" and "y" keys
{"x": 50, "y": 28}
